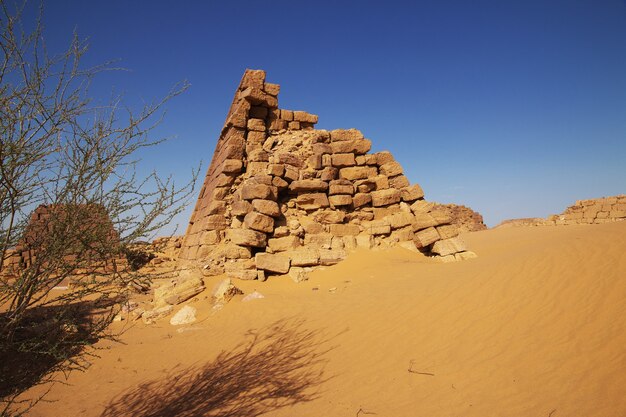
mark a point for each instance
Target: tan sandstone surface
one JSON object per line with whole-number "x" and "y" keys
{"x": 534, "y": 326}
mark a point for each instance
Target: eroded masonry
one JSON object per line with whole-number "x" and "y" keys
{"x": 281, "y": 197}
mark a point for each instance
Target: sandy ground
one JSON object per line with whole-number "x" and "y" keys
{"x": 536, "y": 326}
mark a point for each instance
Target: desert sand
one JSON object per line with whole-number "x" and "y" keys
{"x": 535, "y": 326}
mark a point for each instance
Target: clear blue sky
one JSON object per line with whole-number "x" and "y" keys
{"x": 514, "y": 108}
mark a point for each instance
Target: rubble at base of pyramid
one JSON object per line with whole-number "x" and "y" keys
{"x": 466, "y": 219}
{"x": 281, "y": 198}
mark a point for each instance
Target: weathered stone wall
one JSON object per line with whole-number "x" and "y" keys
{"x": 466, "y": 219}
{"x": 592, "y": 211}
{"x": 289, "y": 197}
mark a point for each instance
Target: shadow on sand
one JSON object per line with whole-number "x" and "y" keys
{"x": 278, "y": 366}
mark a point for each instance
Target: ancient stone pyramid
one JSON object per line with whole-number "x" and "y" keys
{"x": 281, "y": 197}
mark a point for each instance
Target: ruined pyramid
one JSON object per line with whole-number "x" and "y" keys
{"x": 281, "y": 197}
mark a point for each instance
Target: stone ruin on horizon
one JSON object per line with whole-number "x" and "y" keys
{"x": 281, "y": 197}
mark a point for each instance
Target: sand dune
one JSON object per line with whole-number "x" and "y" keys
{"x": 536, "y": 326}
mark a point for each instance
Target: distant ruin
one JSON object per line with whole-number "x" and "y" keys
{"x": 281, "y": 197}
{"x": 591, "y": 211}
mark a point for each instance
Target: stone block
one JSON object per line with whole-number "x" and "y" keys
{"x": 391, "y": 169}
{"x": 308, "y": 186}
{"x": 256, "y": 167}
{"x": 290, "y": 159}
{"x": 383, "y": 157}
{"x": 426, "y": 237}
{"x": 342, "y": 186}
{"x": 332, "y": 256}
{"x": 272, "y": 89}
{"x": 247, "y": 237}
{"x": 291, "y": 173}
{"x": 302, "y": 116}
{"x": 258, "y": 155}
{"x": 385, "y": 197}
{"x": 357, "y": 172}
{"x": 282, "y": 244}
{"x": 178, "y": 291}
{"x": 298, "y": 274}
{"x": 344, "y": 229}
{"x": 304, "y": 257}
{"x": 365, "y": 241}
{"x": 257, "y": 125}
{"x": 293, "y": 125}
{"x": 216, "y": 207}
{"x": 449, "y": 246}
{"x": 361, "y": 199}
{"x": 402, "y": 219}
{"x": 216, "y": 222}
{"x": 358, "y": 147}
{"x": 231, "y": 251}
{"x": 328, "y": 217}
{"x": 329, "y": 174}
{"x": 232, "y": 166}
{"x": 379, "y": 227}
{"x": 320, "y": 241}
{"x": 286, "y": 115}
{"x": 399, "y": 182}
{"x": 412, "y": 193}
{"x": 423, "y": 221}
{"x": 340, "y": 200}
{"x": 448, "y": 231}
{"x": 345, "y": 134}
{"x": 276, "y": 169}
{"x": 258, "y": 221}
{"x": 256, "y": 137}
{"x": 342, "y": 160}
{"x": 272, "y": 262}
{"x": 267, "y": 207}
{"x": 312, "y": 201}
{"x": 256, "y": 191}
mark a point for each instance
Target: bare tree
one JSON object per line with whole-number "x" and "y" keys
{"x": 59, "y": 149}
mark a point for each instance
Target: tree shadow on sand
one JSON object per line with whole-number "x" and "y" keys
{"x": 279, "y": 366}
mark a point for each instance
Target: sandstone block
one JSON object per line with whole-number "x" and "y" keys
{"x": 426, "y": 237}
{"x": 257, "y": 125}
{"x": 217, "y": 207}
{"x": 391, "y": 169}
{"x": 293, "y": 125}
{"x": 344, "y": 229}
{"x": 326, "y": 217}
{"x": 258, "y": 221}
{"x": 332, "y": 256}
{"x": 240, "y": 208}
{"x": 256, "y": 191}
{"x": 401, "y": 219}
{"x": 256, "y": 96}
{"x": 449, "y": 246}
{"x": 280, "y": 183}
{"x": 320, "y": 241}
{"x": 321, "y": 148}
{"x": 448, "y": 231}
{"x": 267, "y": 207}
{"x": 402, "y": 234}
{"x": 379, "y": 227}
{"x": 383, "y": 157}
{"x": 304, "y": 257}
{"x": 312, "y": 201}
{"x": 291, "y": 173}
{"x": 302, "y": 116}
{"x": 241, "y": 269}
{"x": 272, "y": 89}
{"x": 231, "y": 251}
{"x": 216, "y": 222}
{"x": 224, "y": 291}
{"x": 256, "y": 137}
{"x": 232, "y": 166}
{"x": 281, "y": 231}
{"x": 421, "y": 206}
{"x": 342, "y": 160}
{"x": 178, "y": 291}
{"x": 342, "y": 186}
{"x": 423, "y": 221}
{"x": 358, "y": 147}
{"x": 258, "y": 155}
{"x": 340, "y": 200}
{"x": 282, "y": 244}
{"x": 272, "y": 263}
{"x": 345, "y": 134}
{"x": 298, "y": 274}
{"x": 399, "y": 181}
{"x": 276, "y": 169}
{"x": 361, "y": 199}
{"x": 357, "y": 172}
{"x": 247, "y": 237}
{"x": 290, "y": 159}
{"x": 411, "y": 193}
{"x": 329, "y": 174}
{"x": 385, "y": 197}
{"x": 286, "y": 114}
{"x": 307, "y": 186}
{"x": 365, "y": 241}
